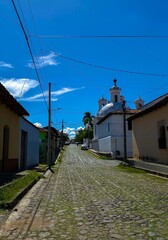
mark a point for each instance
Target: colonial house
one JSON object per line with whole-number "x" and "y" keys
{"x": 18, "y": 137}
{"x": 150, "y": 131}
{"x": 108, "y": 125}
{"x": 55, "y": 144}
{"x": 10, "y": 111}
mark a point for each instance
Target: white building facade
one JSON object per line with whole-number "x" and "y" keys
{"x": 29, "y": 144}
{"x": 108, "y": 125}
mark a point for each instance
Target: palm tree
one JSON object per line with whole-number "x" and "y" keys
{"x": 87, "y": 119}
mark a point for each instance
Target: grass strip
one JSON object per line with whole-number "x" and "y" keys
{"x": 129, "y": 169}
{"x": 10, "y": 191}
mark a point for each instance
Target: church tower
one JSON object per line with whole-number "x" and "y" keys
{"x": 102, "y": 102}
{"x": 139, "y": 103}
{"x": 115, "y": 93}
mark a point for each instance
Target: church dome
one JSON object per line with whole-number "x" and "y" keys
{"x": 106, "y": 109}
{"x": 110, "y": 107}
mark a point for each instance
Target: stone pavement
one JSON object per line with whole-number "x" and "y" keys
{"x": 89, "y": 199}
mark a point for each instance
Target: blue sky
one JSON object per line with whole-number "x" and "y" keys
{"x": 76, "y": 87}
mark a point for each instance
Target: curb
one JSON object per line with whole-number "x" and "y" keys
{"x": 15, "y": 201}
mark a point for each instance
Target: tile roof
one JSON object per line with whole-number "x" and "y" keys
{"x": 10, "y": 102}
{"x": 129, "y": 111}
{"x": 160, "y": 102}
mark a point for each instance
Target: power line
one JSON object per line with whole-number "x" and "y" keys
{"x": 25, "y": 24}
{"x": 35, "y": 27}
{"x": 111, "y": 69}
{"x": 100, "y": 36}
{"x": 28, "y": 44}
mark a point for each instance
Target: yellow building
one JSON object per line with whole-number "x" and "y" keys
{"x": 150, "y": 131}
{"x": 10, "y": 113}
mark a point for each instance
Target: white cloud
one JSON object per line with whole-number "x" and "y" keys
{"x": 43, "y": 61}
{"x": 39, "y": 97}
{"x": 18, "y": 87}
{"x": 5, "y": 65}
{"x": 39, "y": 125}
{"x": 68, "y": 130}
{"x": 72, "y": 131}
{"x": 80, "y": 128}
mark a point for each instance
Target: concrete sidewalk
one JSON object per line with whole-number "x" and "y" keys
{"x": 155, "y": 168}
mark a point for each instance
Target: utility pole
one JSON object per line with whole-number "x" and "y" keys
{"x": 62, "y": 134}
{"x": 124, "y": 131}
{"x": 62, "y": 131}
{"x": 88, "y": 128}
{"x": 49, "y": 126}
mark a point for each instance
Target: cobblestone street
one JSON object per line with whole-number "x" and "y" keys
{"x": 90, "y": 199}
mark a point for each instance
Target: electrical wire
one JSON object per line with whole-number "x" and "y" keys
{"x": 111, "y": 69}
{"x": 99, "y": 36}
{"x": 35, "y": 27}
{"x": 24, "y": 20}
{"x": 21, "y": 91}
{"x": 28, "y": 44}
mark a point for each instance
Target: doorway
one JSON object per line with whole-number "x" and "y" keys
{"x": 5, "y": 149}
{"x": 23, "y": 150}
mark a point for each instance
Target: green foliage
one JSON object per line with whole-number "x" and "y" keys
{"x": 87, "y": 132}
{"x": 80, "y": 135}
{"x": 12, "y": 190}
{"x": 84, "y": 133}
{"x": 65, "y": 137}
{"x": 88, "y": 119}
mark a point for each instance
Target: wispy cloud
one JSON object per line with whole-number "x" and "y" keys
{"x": 54, "y": 94}
{"x": 18, "y": 87}
{"x": 5, "y": 65}
{"x": 43, "y": 61}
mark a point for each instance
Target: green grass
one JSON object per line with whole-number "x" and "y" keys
{"x": 12, "y": 190}
{"x": 43, "y": 166}
{"x": 56, "y": 166}
{"x": 128, "y": 169}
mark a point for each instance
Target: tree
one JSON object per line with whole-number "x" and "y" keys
{"x": 80, "y": 135}
{"x": 87, "y": 119}
{"x": 87, "y": 132}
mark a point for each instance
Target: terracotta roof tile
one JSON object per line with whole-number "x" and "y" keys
{"x": 10, "y": 102}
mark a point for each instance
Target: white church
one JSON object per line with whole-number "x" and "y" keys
{"x": 108, "y": 125}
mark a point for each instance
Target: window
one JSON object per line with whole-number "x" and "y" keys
{"x": 115, "y": 98}
{"x": 161, "y": 135}
{"x": 95, "y": 129}
{"x": 108, "y": 127}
